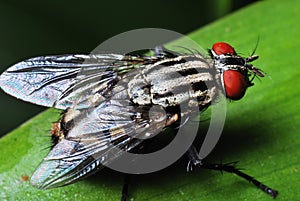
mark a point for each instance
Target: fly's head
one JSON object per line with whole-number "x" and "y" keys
{"x": 236, "y": 71}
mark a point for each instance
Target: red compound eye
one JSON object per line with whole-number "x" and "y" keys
{"x": 235, "y": 84}
{"x": 223, "y": 48}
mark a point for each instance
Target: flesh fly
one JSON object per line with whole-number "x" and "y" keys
{"x": 108, "y": 102}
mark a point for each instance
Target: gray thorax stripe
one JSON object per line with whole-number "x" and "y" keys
{"x": 174, "y": 81}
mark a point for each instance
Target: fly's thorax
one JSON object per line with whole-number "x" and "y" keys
{"x": 185, "y": 79}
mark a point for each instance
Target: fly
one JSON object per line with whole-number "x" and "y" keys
{"x": 112, "y": 100}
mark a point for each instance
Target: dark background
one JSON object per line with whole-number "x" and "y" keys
{"x": 32, "y": 28}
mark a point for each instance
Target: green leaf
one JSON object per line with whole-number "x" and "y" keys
{"x": 261, "y": 131}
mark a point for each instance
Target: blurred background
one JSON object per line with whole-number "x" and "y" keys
{"x": 32, "y": 28}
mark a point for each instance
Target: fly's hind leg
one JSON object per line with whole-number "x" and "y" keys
{"x": 125, "y": 188}
{"x": 196, "y": 161}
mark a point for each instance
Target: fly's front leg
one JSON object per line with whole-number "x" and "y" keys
{"x": 227, "y": 167}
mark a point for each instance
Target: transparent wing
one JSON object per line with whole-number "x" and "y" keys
{"x": 64, "y": 80}
{"x": 98, "y": 137}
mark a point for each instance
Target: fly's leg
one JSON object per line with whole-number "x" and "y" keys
{"x": 161, "y": 52}
{"x": 228, "y": 167}
{"x": 125, "y": 188}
